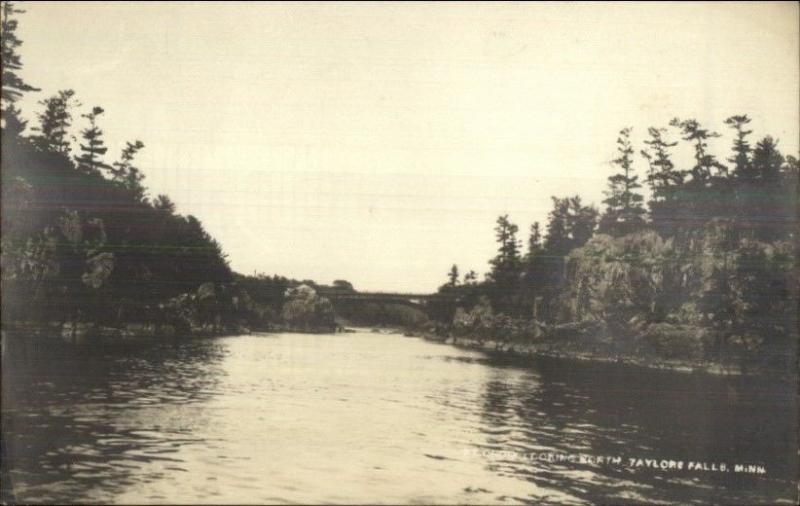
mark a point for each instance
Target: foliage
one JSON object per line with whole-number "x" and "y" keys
{"x": 452, "y": 276}
{"x": 624, "y": 212}
{"x": 55, "y": 121}
{"x": 90, "y": 160}
{"x": 305, "y": 310}
{"x": 711, "y": 276}
{"x": 80, "y": 239}
{"x": 13, "y": 86}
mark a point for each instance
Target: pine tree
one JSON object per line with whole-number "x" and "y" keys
{"x": 506, "y": 263}
{"x": 13, "y": 86}
{"x": 533, "y": 263}
{"x": 534, "y": 243}
{"x": 581, "y": 222}
{"x": 570, "y": 224}
{"x": 767, "y": 160}
{"x": 743, "y": 169}
{"x": 504, "y": 277}
{"x": 470, "y": 278}
{"x": 557, "y": 240}
{"x": 452, "y": 276}
{"x": 90, "y": 160}
{"x": 506, "y": 266}
{"x": 624, "y": 210}
{"x": 767, "y": 205}
{"x": 662, "y": 176}
{"x": 705, "y": 163}
{"x": 164, "y": 204}
{"x": 124, "y": 173}
{"x": 664, "y": 180}
{"x": 55, "y": 120}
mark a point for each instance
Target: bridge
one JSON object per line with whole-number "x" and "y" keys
{"x": 414, "y": 299}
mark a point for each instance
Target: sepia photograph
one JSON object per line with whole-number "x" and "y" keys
{"x": 441, "y": 253}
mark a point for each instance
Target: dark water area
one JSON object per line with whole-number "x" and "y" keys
{"x": 373, "y": 418}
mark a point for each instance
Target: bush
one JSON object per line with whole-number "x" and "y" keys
{"x": 305, "y": 310}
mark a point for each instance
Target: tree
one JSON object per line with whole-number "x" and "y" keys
{"x": 662, "y": 176}
{"x": 570, "y": 224}
{"x": 766, "y": 204}
{"x": 124, "y": 173}
{"x": 305, "y": 310}
{"x": 506, "y": 265}
{"x": 534, "y": 242}
{"x": 343, "y": 285}
{"x": 55, "y": 120}
{"x": 557, "y": 239}
{"x": 164, "y": 204}
{"x": 741, "y": 148}
{"x": 504, "y": 278}
{"x": 470, "y": 278}
{"x": 13, "y": 86}
{"x": 581, "y": 222}
{"x": 624, "y": 210}
{"x": 705, "y": 163}
{"x": 664, "y": 180}
{"x": 452, "y": 276}
{"x": 767, "y": 160}
{"x": 90, "y": 160}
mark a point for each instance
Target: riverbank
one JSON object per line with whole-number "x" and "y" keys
{"x": 93, "y": 334}
{"x": 568, "y": 350}
{"x": 136, "y": 333}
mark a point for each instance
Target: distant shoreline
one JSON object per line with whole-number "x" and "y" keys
{"x": 96, "y": 335}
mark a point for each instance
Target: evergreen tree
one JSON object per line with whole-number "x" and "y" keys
{"x": 624, "y": 212}
{"x": 705, "y": 163}
{"x": 90, "y": 160}
{"x": 13, "y": 86}
{"x": 506, "y": 265}
{"x": 767, "y": 160}
{"x": 55, "y": 120}
{"x": 164, "y": 204}
{"x": 470, "y": 278}
{"x": 534, "y": 264}
{"x": 124, "y": 173}
{"x": 582, "y": 222}
{"x": 557, "y": 240}
{"x": 741, "y": 148}
{"x": 710, "y": 192}
{"x": 570, "y": 224}
{"x": 664, "y": 180}
{"x": 662, "y": 175}
{"x": 452, "y": 276}
{"x": 766, "y": 205}
{"x": 534, "y": 242}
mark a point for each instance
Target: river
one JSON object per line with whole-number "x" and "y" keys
{"x": 378, "y": 418}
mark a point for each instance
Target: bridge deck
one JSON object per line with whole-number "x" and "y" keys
{"x": 378, "y": 296}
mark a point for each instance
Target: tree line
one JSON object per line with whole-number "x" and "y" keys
{"x": 704, "y": 269}
{"x": 83, "y": 241}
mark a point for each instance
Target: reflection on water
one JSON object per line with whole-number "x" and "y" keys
{"x": 365, "y": 418}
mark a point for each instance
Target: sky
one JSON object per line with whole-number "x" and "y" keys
{"x": 379, "y": 142}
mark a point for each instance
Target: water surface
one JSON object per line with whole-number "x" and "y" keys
{"x": 371, "y": 418}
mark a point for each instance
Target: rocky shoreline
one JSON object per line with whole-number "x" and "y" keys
{"x": 568, "y": 352}
{"x": 134, "y": 333}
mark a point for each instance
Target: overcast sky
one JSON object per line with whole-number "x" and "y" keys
{"x": 378, "y": 142}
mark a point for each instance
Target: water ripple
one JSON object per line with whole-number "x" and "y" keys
{"x": 371, "y": 418}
